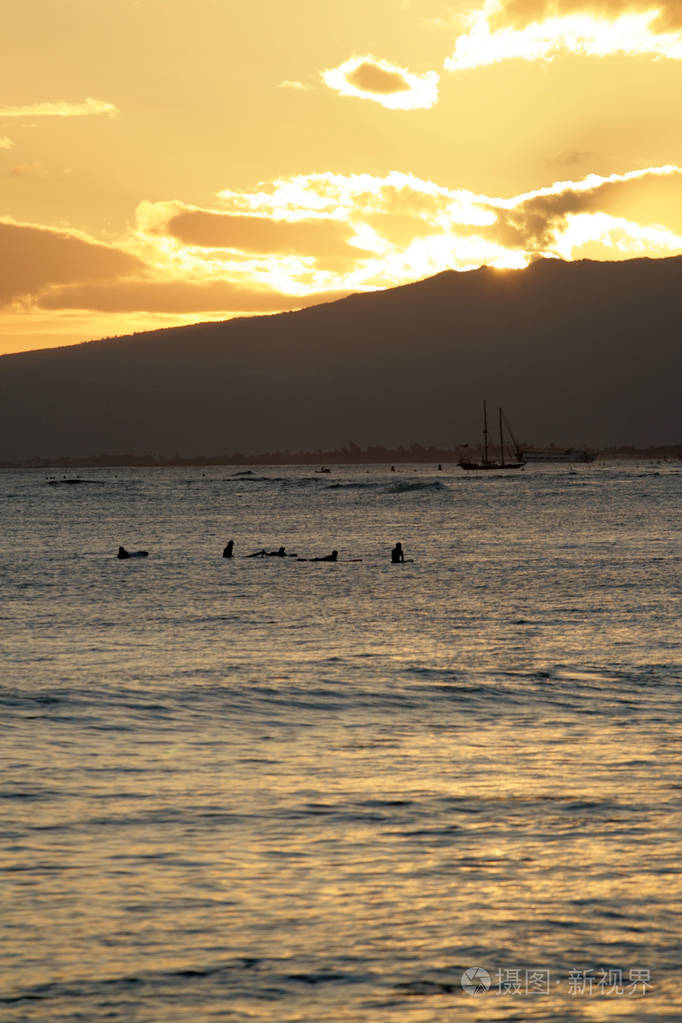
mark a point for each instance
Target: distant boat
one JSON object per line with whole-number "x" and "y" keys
{"x": 558, "y": 455}
{"x": 517, "y": 462}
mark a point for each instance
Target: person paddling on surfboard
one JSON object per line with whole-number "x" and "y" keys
{"x": 328, "y": 557}
{"x": 281, "y": 553}
{"x": 397, "y": 554}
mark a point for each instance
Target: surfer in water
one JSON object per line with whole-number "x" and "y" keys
{"x": 397, "y": 554}
{"x": 328, "y": 557}
{"x": 227, "y": 553}
{"x": 281, "y": 553}
{"x": 123, "y": 553}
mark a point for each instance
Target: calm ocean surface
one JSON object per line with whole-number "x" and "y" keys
{"x": 275, "y": 790}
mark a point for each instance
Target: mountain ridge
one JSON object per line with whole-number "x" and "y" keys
{"x": 578, "y": 353}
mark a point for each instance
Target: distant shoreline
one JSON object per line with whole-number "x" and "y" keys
{"x": 351, "y": 455}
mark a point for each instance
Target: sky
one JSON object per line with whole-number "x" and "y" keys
{"x": 165, "y": 162}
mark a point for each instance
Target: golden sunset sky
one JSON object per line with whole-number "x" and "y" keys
{"x": 165, "y": 162}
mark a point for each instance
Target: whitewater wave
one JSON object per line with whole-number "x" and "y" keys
{"x": 392, "y": 487}
{"x": 408, "y": 486}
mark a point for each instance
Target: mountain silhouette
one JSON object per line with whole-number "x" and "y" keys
{"x": 577, "y": 353}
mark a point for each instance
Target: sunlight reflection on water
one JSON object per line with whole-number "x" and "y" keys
{"x": 268, "y": 789}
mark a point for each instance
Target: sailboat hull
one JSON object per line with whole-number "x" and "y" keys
{"x": 479, "y": 466}
{"x": 486, "y": 464}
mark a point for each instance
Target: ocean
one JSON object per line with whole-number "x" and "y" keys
{"x": 272, "y": 789}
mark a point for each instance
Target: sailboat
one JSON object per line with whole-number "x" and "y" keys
{"x": 488, "y": 463}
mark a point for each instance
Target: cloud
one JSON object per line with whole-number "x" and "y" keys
{"x": 375, "y": 79}
{"x": 177, "y": 296}
{"x": 519, "y": 13}
{"x": 405, "y": 227}
{"x": 369, "y": 78}
{"x": 613, "y": 213}
{"x": 316, "y": 237}
{"x": 36, "y": 257}
{"x": 286, "y": 84}
{"x": 350, "y": 197}
{"x": 311, "y": 238}
{"x": 87, "y": 108}
{"x": 29, "y": 170}
{"x": 600, "y": 236}
{"x": 6, "y": 143}
{"x": 265, "y": 246}
{"x": 65, "y": 270}
{"x": 570, "y": 158}
{"x": 320, "y": 232}
{"x": 401, "y": 227}
{"x": 540, "y": 30}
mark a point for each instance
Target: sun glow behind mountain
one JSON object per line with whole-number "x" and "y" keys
{"x": 234, "y": 165}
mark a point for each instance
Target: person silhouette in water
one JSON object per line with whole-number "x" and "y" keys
{"x": 227, "y": 553}
{"x": 328, "y": 557}
{"x": 397, "y": 554}
{"x": 123, "y": 553}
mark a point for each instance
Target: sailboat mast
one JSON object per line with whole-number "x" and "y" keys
{"x": 519, "y": 453}
{"x": 501, "y": 440}
{"x": 485, "y": 433}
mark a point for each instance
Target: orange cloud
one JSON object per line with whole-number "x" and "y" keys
{"x": 312, "y": 238}
{"x": 87, "y": 108}
{"x": 279, "y": 250}
{"x": 520, "y": 13}
{"x": 177, "y": 297}
{"x": 375, "y": 79}
{"x": 320, "y": 236}
{"x": 398, "y": 228}
{"x": 36, "y": 257}
{"x": 6, "y": 143}
{"x": 615, "y": 215}
{"x": 540, "y": 30}
{"x": 29, "y": 170}
{"x": 350, "y": 197}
